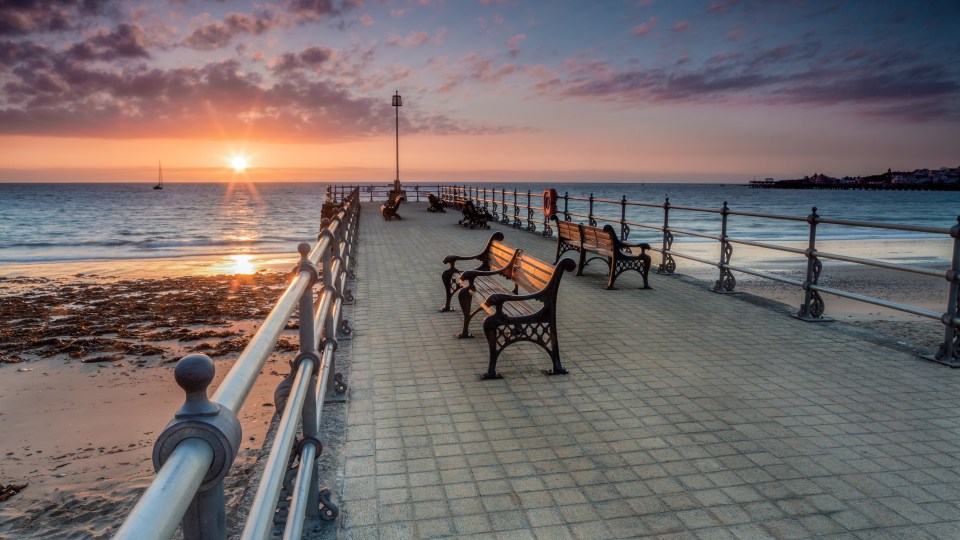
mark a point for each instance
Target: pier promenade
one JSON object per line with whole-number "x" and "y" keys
{"x": 686, "y": 414}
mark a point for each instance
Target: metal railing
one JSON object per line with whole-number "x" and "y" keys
{"x": 196, "y": 450}
{"x": 381, "y": 192}
{"x": 507, "y": 206}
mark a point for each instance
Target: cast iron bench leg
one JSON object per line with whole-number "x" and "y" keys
{"x": 465, "y": 299}
{"x": 448, "y": 287}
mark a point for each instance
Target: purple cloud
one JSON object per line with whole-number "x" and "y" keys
{"x": 893, "y": 85}
{"x": 643, "y": 29}
{"x": 53, "y": 93}
{"x": 514, "y": 44}
{"x": 19, "y": 17}
{"x": 126, "y": 41}
{"x": 219, "y": 34}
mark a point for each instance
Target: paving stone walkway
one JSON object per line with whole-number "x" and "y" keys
{"x": 686, "y": 414}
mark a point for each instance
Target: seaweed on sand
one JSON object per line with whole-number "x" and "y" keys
{"x": 141, "y": 317}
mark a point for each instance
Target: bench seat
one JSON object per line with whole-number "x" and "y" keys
{"x": 495, "y": 255}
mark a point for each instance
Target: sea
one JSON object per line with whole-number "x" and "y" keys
{"x": 67, "y": 222}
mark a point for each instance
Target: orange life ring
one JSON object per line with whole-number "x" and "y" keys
{"x": 550, "y": 203}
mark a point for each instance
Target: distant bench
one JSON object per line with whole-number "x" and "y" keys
{"x": 607, "y": 245}
{"x": 512, "y": 316}
{"x": 473, "y": 217}
{"x": 389, "y": 209}
{"x": 436, "y": 204}
{"x": 495, "y": 255}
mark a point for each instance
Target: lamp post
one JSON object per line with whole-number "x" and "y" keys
{"x": 397, "y": 192}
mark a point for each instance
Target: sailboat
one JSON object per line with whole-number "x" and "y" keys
{"x": 160, "y": 175}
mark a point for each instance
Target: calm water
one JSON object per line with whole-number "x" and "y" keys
{"x": 76, "y": 222}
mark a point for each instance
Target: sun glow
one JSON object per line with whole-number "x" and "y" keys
{"x": 239, "y": 163}
{"x": 243, "y": 264}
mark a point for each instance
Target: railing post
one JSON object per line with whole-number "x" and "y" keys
{"x": 949, "y": 352}
{"x": 198, "y": 417}
{"x": 516, "y": 211}
{"x": 813, "y": 306}
{"x": 531, "y": 226}
{"x": 504, "y": 218}
{"x": 308, "y": 349}
{"x": 566, "y": 210}
{"x": 726, "y": 283}
{"x": 624, "y": 228}
{"x": 667, "y": 264}
{"x": 590, "y": 219}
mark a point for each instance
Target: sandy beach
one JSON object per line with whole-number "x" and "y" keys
{"x": 88, "y": 350}
{"x": 87, "y": 385}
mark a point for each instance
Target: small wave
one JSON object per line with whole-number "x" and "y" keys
{"x": 133, "y": 256}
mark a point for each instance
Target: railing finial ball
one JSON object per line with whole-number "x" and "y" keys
{"x": 193, "y": 374}
{"x": 303, "y": 249}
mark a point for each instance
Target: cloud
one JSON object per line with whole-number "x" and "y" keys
{"x": 366, "y": 20}
{"x": 310, "y": 95}
{"x": 125, "y": 41}
{"x": 471, "y": 68}
{"x": 219, "y": 34}
{"x": 514, "y": 44}
{"x": 734, "y": 35}
{"x": 721, "y": 6}
{"x": 399, "y": 12}
{"x": 312, "y": 59}
{"x": 20, "y": 17}
{"x": 896, "y": 85}
{"x": 681, "y": 26}
{"x": 643, "y": 29}
{"x": 314, "y": 10}
{"x": 412, "y": 39}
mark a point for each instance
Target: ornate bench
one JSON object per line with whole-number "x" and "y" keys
{"x": 473, "y": 217}
{"x": 521, "y": 304}
{"x": 494, "y": 256}
{"x": 606, "y": 245}
{"x": 389, "y": 209}
{"x": 436, "y": 205}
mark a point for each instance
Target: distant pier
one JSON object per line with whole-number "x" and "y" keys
{"x": 802, "y": 184}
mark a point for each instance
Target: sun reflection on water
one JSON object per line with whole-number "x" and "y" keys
{"x": 242, "y": 264}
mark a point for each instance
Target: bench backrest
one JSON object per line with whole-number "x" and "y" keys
{"x": 597, "y": 238}
{"x": 530, "y": 273}
{"x": 499, "y": 255}
{"x": 568, "y": 230}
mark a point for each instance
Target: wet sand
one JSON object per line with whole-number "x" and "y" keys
{"x": 86, "y": 386}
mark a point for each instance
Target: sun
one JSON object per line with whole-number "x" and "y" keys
{"x": 239, "y": 163}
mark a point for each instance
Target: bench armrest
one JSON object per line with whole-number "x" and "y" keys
{"x": 450, "y": 259}
{"x": 470, "y": 275}
{"x": 642, "y": 245}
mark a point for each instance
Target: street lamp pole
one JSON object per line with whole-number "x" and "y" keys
{"x": 397, "y": 103}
